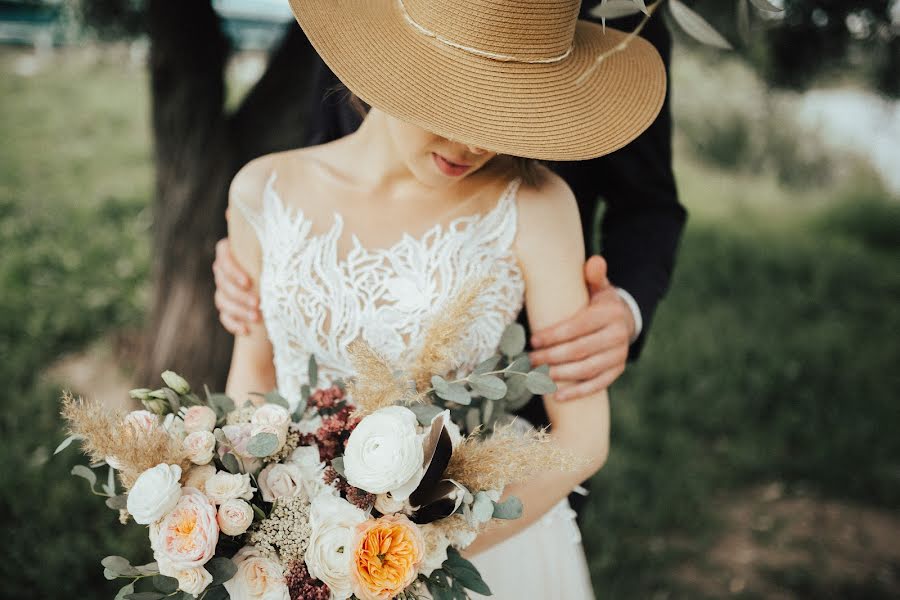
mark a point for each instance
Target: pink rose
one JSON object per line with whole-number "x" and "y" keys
{"x": 199, "y": 418}
{"x": 188, "y": 534}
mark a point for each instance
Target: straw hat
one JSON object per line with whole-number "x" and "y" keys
{"x": 517, "y": 77}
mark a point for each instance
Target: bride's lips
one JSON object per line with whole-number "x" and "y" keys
{"x": 451, "y": 169}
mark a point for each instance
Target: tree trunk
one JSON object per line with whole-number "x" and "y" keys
{"x": 198, "y": 149}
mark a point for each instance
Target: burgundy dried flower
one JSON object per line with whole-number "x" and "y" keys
{"x": 326, "y": 398}
{"x": 302, "y": 586}
{"x": 332, "y": 435}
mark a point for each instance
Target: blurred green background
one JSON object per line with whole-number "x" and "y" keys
{"x": 755, "y": 445}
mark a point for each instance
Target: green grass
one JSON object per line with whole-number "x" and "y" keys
{"x": 774, "y": 358}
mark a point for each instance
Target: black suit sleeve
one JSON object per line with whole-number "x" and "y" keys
{"x": 643, "y": 220}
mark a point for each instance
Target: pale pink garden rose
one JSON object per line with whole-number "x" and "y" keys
{"x": 193, "y": 581}
{"x": 239, "y": 436}
{"x": 224, "y": 486}
{"x": 200, "y": 446}
{"x": 280, "y": 480}
{"x": 197, "y": 476}
{"x": 234, "y": 517}
{"x": 257, "y": 577}
{"x": 142, "y": 419}
{"x": 154, "y": 493}
{"x": 199, "y": 418}
{"x": 188, "y": 535}
{"x": 272, "y": 418}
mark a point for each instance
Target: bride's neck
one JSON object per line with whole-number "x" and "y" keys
{"x": 379, "y": 163}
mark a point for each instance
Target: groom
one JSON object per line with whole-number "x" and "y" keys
{"x": 639, "y": 233}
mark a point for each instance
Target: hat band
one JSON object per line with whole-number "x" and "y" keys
{"x": 493, "y": 55}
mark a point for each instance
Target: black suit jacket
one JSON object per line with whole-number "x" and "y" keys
{"x": 643, "y": 219}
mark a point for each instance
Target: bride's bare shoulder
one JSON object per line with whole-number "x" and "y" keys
{"x": 547, "y": 209}
{"x": 248, "y": 184}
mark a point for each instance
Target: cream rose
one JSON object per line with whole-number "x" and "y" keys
{"x": 142, "y": 419}
{"x": 257, "y": 578}
{"x": 155, "y": 493}
{"x": 193, "y": 581}
{"x": 272, "y": 416}
{"x": 234, "y": 517}
{"x": 174, "y": 425}
{"x": 280, "y": 480}
{"x": 333, "y": 521}
{"x": 199, "y": 418}
{"x": 436, "y": 543}
{"x": 384, "y": 453}
{"x": 197, "y": 476}
{"x": 311, "y": 469}
{"x": 187, "y": 536}
{"x": 200, "y": 446}
{"x": 224, "y": 486}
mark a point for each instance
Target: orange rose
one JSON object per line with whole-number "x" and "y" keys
{"x": 386, "y": 557}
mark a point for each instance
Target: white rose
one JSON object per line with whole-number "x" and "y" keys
{"x": 271, "y": 414}
{"x": 197, "y": 476}
{"x": 224, "y": 486}
{"x": 155, "y": 493}
{"x": 174, "y": 425}
{"x": 436, "y": 543}
{"x": 200, "y": 446}
{"x": 234, "y": 517}
{"x": 142, "y": 419}
{"x": 280, "y": 480}
{"x": 193, "y": 581}
{"x": 384, "y": 453}
{"x": 333, "y": 522}
{"x": 307, "y": 459}
{"x": 199, "y": 418}
{"x": 257, "y": 578}
{"x": 388, "y": 505}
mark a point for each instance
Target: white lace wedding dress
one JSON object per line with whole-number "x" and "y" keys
{"x": 316, "y": 301}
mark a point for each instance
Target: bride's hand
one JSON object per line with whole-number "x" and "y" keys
{"x": 591, "y": 347}
{"x": 235, "y": 299}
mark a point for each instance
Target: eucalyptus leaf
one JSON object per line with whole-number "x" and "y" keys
{"x": 85, "y": 473}
{"x": 487, "y": 411}
{"x": 538, "y": 383}
{"x": 765, "y": 5}
{"x": 302, "y": 404}
{"x": 110, "y": 487}
{"x": 522, "y": 364}
{"x": 222, "y": 569}
{"x": 615, "y": 9}
{"x": 126, "y": 590}
{"x": 109, "y": 574}
{"x": 148, "y": 569}
{"x": 312, "y": 371}
{"x": 482, "y": 508}
{"x": 509, "y": 509}
{"x": 216, "y": 592}
{"x": 258, "y": 513}
{"x": 465, "y": 572}
{"x": 220, "y": 436}
{"x": 221, "y": 403}
{"x": 166, "y": 585}
{"x": 120, "y": 566}
{"x": 473, "y": 419}
{"x": 452, "y": 392}
{"x": 425, "y": 413}
{"x": 338, "y": 465}
{"x": 517, "y": 394}
{"x": 696, "y": 26}
{"x": 66, "y": 443}
{"x": 117, "y": 502}
{"x": 486, "y": 366}
{"x": 173, "y": 398}
{"x": 231, "y": 464}
{"x": 545, "y": 369}
{"x": 262, "y": 444}
{"x": 512, "y": 343}
{"x": 145, "y": 596}
{"x": 488, "y": 386}
{"x": 274, "y": 397}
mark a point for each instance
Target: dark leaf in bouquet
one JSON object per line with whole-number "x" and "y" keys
{"x": 473, "y": 419}
{"x": 539, "y": 383}
{"x": 488, "y": 386}
{"x": 166, "y": 585}
{"x": 511, "y": 508}
{"x": 117, "y": 502}
{"x": 439, "y": 586}
{"x": 338, "y": 465}
{"x": 274, "y": 397}
{"x": 487, "y": 366}
{"x": 258, "y": 514}
{"x": 173, "y": 398}
{"x": 222, "y": 569}
{"x": 522, "y": 364}
{"x": 145, "y": 596}
{"x": 125, "y": 591}
{"x": 302, "y": 404}
{"x": 85, "y": 473}
{"x": 425, "y": 413}
{"x": 487, "y": 411}
{"x": 231, "y": 464}
{"x": 312, "y": 371}
{"x": 217, "y": 592}
{"x": 262, "y": 444}
{"x": 765, "y": 5}
{"x": 517, "y": 394}
{"x": 220, "y": 403}
{"x": 66, "y": 443}
{"x": 465, "y": 572}
{"x": 512, "y": 343}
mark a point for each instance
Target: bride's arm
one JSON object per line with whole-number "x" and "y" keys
{"x": 551, "y": 253}
{"x": 252, "y": 367}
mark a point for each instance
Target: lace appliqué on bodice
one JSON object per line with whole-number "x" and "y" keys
{"x": 316, "y": 302}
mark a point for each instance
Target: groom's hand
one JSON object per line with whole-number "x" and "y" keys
{"x": 235, "y": 299}
{"x": 590, "y": 347}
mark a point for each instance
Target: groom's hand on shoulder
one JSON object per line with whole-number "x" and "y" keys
{"x": 235, "y": 300}
{"x": 591, "y": 347}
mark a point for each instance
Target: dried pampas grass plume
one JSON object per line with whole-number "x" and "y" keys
{"x": 375, "y": 384}
{"x": 511, "y": 454}
{"x": 445, "y": 333}
{"x": 104, "y": 433}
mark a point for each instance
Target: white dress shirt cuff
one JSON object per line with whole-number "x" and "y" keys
{"x": 635, "y": 312}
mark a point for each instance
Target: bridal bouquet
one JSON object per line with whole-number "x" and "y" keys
{"x": 366, "y": 490}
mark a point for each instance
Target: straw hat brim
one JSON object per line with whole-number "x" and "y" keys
{"x": 521, "y": 109}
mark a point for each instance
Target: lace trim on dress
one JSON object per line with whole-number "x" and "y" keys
{"x": 316, "y": 302}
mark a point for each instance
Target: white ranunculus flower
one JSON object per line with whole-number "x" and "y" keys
{"x": 143, "y": 419}
{"x": 199, "y": 418}
{"x": 257, "y": 578}
{"x": 333, "y": 521}
{"x": 200, "y": 446}
{"x": 224, "y": 486}
{"x": 155, "y": 493}
{"x": 196, "y": 477}
{"x": 234, "y": 517}
{"x": 280, "y": 480}
{"x": 384, "y": 453}
{"x": 307, "y": 459}
{"x": 436, "y": 543}
{"x": 193, "y": 581}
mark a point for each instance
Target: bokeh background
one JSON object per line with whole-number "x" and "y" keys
{"x": 756, "y": 451}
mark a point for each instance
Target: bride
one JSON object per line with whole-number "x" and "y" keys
{"x": 369, "y": 236}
